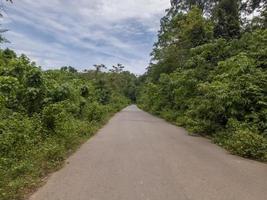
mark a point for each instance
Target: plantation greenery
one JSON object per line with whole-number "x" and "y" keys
{"x": 45, "y": 115}
{"x": 209, "y": 73}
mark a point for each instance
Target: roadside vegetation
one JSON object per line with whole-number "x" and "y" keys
{"x": 46, "y": 115}
{"x": 209, "y": 73}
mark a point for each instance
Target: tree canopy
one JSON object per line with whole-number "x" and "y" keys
{"x": 46, "y": 114}
{"x": 208, "y": 73}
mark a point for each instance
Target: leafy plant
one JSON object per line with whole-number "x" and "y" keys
{"x": 213, "y": 87}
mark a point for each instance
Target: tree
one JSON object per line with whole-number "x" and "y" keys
{"x": 117, "y": 69}
{"x": 227, "y": 19}
{"x": 98, "y": 68}
{"x": 185, "y": 5}
{"x": 215, "y": 87}
{"x": 44, "y": 114}
{"x": 177, "y": 35}
{"x": 69, "y": 69}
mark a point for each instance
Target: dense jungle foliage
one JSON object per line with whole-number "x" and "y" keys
{"x": 209, "y": 72}
{"x": 45, "y": 115}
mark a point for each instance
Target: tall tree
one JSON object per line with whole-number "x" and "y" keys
{"x": 185, "y": 5}
{"x": 98, "y": 68}
{"x": 69, "y": 69}
{"x": 117, "y": 69}
{"x": 227, "y": 19}
{"x": 177, "y": 35}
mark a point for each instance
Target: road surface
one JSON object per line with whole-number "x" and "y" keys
{"x": 137, "y": 156}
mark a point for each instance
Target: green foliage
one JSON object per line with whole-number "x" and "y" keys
{"x": 176, "y": 37}
{"x": 8, "y": 88}
{"x": 245, "y": 143}
{"x": 227, "y": 19}
{"x": 94, "y": 112}
{"x": 206, "y": 84}
{"x": 196, "y": 29}
{"x": 53, "y": 114}
{"x": 45, "y": 115}
{"x": 206, "y": 6}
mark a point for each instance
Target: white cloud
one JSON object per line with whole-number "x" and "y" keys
{"x": 56, "y": 32}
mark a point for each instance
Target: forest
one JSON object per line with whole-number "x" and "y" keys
{"x": 208, "y": 73}
{"x": 46, "y": 115}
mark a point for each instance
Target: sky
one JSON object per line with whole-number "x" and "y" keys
{"x": 56, "y": 33}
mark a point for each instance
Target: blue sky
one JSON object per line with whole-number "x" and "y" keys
{"x": 81, "y": 33}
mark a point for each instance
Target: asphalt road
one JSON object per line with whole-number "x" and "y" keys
{"x": 139, "y": 157}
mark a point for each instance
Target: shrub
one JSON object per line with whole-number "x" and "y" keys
{"x": 94, "y": 112}
{"x": 61, "y": 93}
{"x": 19, "y": 134}
{"x": 245, "y": 143}
{"x": 45, "y": 115}
{"x": 53, "y": 114}
{"x": 52, "y": 151}
{"x": 169, "y": 115}
{"x": 214, "y": 84}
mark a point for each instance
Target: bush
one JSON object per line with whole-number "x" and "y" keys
{"x": 52, "y": 115}
{"x": 45, "y": 115}
{"x": 52, "y": 151}
{"x": 214, "y": 84}
{"x": 169, "y": 115}
{"x": 61, "y": 93}
{"x": 94, "y": 112}
{"x": 245, "y": 143}
{"x": 18, "y": 134}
